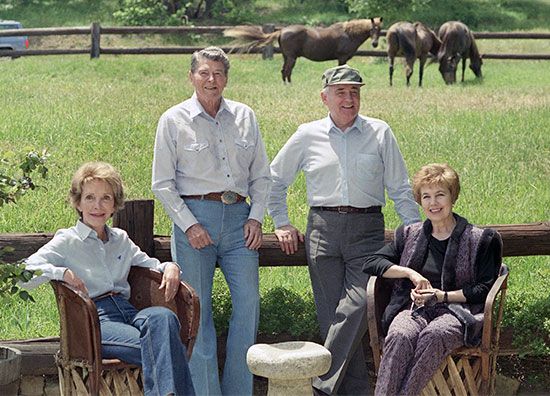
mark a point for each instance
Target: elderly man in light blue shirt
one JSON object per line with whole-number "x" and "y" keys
{"x": 209, "y": 158}
{"x": 349, "y": 161}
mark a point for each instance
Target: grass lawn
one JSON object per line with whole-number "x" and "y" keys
{"x": 495, "y": 133}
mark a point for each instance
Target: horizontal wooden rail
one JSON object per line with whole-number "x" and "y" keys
{"x": 53, "y": 31}
{"x": 190, "y": 50}
{"x": 137, "y": 219}
{"x": 383, "y": 54}
{"x": 82, "y": 30}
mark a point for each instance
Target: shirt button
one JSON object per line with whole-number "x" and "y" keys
{"x": 223, "y": 158}
{"x": 227, "y": 175}
{"x": 220, "y": 140}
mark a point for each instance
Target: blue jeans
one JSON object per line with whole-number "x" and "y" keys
{"x": 239, "y": 265}
{"x": 148, "y": 338}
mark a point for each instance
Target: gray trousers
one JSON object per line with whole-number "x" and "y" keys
{"x": 336, "y": 245}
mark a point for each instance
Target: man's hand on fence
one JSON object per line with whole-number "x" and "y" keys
{"x": 288, "y": 237}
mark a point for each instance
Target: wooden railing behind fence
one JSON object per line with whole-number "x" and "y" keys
{"x": 137, "y": 219}
{"x": 96, "y": 30}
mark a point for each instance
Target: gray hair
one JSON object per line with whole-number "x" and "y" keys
{"x": 215, "y": 54}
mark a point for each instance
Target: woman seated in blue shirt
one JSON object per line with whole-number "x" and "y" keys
{"x": 447, "y": 267}
{"x": 96, "y": 259}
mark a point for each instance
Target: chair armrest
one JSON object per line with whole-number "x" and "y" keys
{"x": 378, "y": 297}
{"x": 490, "y": 322}
{"x": 79, "y": 325}
{"x": 144, "y": 285}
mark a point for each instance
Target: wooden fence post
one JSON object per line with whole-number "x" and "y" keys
{"x": 96, "y": 39}
{"x": 267, "y": 52}
{"x": 136, "y": 218}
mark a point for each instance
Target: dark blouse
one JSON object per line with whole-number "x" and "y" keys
{"x": 379, "y": 262}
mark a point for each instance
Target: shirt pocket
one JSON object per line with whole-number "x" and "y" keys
{"x": 196, "y": 147}
{"x": 245, "y": 151}
{"x": 368, "y": 167}
{"x": 197, "y": 158}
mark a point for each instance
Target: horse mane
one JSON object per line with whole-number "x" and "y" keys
{"x": 357, "y": 27}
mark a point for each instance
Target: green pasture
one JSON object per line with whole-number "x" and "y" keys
{"x": 495, "y": 133}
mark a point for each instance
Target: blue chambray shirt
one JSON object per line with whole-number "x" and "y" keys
{"x": 196, "y": 154}
{"x": 102, "y": 266}
{"x": 351, "y": 168}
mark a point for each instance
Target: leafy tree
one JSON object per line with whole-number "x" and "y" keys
{"x": 15, "y": 181}
{"x": 371, "y": 8}
{"x": 150, "y": 12}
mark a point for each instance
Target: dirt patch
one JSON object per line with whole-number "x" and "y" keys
{"x": 532, "y": 372}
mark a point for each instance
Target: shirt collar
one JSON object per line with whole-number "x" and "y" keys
{"x": 331, "y": 126}
{"x": 195, "y": 107}
{"x": 84, "y": 231}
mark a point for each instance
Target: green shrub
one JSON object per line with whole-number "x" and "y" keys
{"x": 281, "y": 310}
{"x": 15, "y": 181}
{"x": 284, "y": 310}
{"x": 234, "y": 11}
{"x": 528, "y": 313}
{"x": 148, "y": 13}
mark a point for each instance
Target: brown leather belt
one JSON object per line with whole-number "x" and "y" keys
{"x": 227, "y": 197}
{"x": 108, "y": 294}
{"x": 349, "y": 209}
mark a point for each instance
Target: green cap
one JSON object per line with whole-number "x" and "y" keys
{"x": 342, "y": 75}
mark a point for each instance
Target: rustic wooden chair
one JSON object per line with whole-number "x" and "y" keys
{"x": 81, "y": 369}
{"x": 467, "y": 371}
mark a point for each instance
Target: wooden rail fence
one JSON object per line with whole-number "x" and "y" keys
{"x": 136, "y": 218}
{"x": 96, "y": 30}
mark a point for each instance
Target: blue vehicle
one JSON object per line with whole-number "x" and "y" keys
{"x": 19, "y": 43}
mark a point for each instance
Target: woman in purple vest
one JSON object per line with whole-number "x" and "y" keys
{"x": 446, "y": 268}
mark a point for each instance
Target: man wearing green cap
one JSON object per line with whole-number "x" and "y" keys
{"x": 349, "y": 161}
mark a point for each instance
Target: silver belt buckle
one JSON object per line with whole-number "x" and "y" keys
{"x": 229, "y": 197}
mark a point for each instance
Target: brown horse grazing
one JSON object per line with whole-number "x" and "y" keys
{"x": 412, "y": 41}
{"x": 338, "y": 41}
{"x": 457, "y": 42}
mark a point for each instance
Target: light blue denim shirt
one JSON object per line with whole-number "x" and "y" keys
{"x": 351, "y": 168}
{"x": 102, "y": 266}
{"x": 196, "y": 154}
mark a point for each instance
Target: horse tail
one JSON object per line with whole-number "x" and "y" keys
{"x": 252, "y": 36}
{"x": 392, "y": 38}
{"x": 406, "y": 45}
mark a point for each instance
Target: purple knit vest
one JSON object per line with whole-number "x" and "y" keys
{"x": 463, "y": 269}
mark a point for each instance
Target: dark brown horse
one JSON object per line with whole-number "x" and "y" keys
{"x": 338, "y": 41}
{"x": 412, "y": 41}
{"x": 457, "y": 42}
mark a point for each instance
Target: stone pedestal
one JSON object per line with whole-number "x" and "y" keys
{"x": 10, "y": 370}
{"x": 289, "y": 366}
